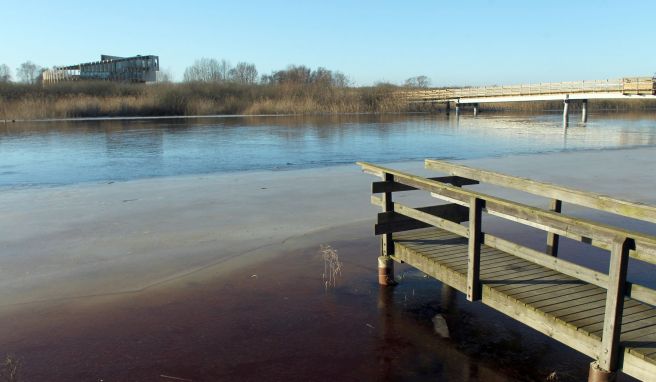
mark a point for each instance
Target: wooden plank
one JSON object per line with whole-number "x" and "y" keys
{"x": 553, "y": 294}
{"x": 506, "y": 277}
{"x": 639, "y": 334}
{"x": 630, "y": 322}
{"x": 587, "y": 199}
{"x": 426, "y": 233}
{"x": 587, "y": 308}
{"x": 459, "y": 263}
{"x": 435, "y": 221}
{"x": 637, "y": 367}
{"x": 593, "y": 323}
{"x": 390, "y": 222}
{"x": 538, "y": 281}
{"x": 569, "y": 298}
{"x": 458, "y": 181}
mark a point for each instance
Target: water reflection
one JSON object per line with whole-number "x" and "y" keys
{"x": 53, "y": 153}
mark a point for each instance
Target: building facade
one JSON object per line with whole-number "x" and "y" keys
{"x": 110, "y": 68}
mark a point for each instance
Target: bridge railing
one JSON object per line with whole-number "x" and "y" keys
{"x": 628, "y": 86}
{"x": 467, "y": 205}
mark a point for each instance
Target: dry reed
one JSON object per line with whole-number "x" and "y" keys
{"x": 332, "y": 267}
{"x": 90, "y": 99}
{"x": 10, "y": 369}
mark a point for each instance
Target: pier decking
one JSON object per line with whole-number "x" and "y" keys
{"x": 622, "y": 88}
{"x": 601, "y": 315}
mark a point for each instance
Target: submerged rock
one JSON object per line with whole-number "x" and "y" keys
{"x": 440, "y": 327}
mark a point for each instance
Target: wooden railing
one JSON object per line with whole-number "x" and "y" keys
{"x": 468, "y": 205}
{"x": 626, "y": 86}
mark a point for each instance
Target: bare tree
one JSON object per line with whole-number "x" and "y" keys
{"x": 5, "y": 73}
{"x": 243, "y": 73}
{"x": 165, "y": 76}
{"x": 340, "y": 80}
{"x": 224, "y": 70}
{"x": 418, "y": 82}
{"x": 29, "y": 72}
{"x": 203, "y": 70}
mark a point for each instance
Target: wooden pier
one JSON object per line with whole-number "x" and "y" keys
{"x": 602, "y": 315}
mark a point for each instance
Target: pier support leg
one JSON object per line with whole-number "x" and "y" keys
{"x": 385, "y": 271}
{"x": 457, "y": 109}
{"x": 597, "y": 374}
{"x": 584, "y": 111}
{"x": 448, "y": 108}
{"x": 475, "y": 109}
{"x": 566, "y": 112}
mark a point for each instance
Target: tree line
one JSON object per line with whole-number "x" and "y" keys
{"x": 28, "y": 72}
{"x": 210, "y": 70}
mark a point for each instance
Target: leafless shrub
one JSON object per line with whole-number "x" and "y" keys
{"x": 332, "y": 267}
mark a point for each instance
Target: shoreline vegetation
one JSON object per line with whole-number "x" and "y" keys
{"x": 108, "y": 99}
{"x": 211, "y": 87}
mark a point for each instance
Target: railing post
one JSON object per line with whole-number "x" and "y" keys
{"x": 476, "y": 206}
{"x": 552, "y": 238}
{"x": 385, "y": 262}
{"x": 619, "y": 260}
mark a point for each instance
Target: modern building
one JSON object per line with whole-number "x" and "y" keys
{"x": 109, "y": 68}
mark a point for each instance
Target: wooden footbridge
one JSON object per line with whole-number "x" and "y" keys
{"x": 580, "y": 91}
{"x": 602, "y": 315}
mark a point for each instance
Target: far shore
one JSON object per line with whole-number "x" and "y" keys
{"x": 112, "y": 254}
{"x": 72, "y": 100}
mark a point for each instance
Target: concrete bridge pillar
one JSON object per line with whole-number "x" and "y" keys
{"x": 566, "y": 111}
{"x": 584, "y": 111}
{"x": 457, "y": 108}
{"x": 475, "y": 109}
{"x": 448, "y": 108}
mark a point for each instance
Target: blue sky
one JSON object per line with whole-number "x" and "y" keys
{"x": 452, "y": 42}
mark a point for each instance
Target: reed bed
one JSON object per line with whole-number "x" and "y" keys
{"x": 104, "y": 99}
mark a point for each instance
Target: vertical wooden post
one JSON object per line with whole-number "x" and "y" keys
{"x": 584, "y": 111}
{"x": 619, "y": 261}
{"x": 388, "y": 206}
{"x": 385, "y": 262}
{"x": 552, "y": 238}
{"x": 474, "y": 251}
